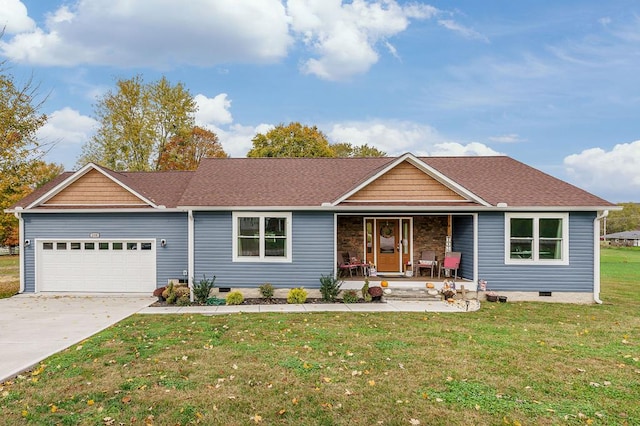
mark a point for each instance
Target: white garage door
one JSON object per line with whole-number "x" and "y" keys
{"x": 122, "y": 266}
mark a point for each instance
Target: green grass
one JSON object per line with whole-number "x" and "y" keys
{"x": 513, "y": 363}
{"x": 9, "y": 276}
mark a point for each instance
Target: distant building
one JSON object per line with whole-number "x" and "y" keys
{"x": 626, "y": 238}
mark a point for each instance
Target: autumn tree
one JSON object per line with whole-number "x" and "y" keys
{"x": 21, "y": 167}
{"x": 627, "y": 219}
{"x": 345, "y": 149}
{"x": 184, "y": 152}
{"x": 292, "y": 140}
{"x": 137, "y": 120}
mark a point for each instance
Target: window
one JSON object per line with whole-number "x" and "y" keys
{"x": 537, "y": 238}
{"x": 61, "y": 246}
{"x": 145, "y": 246}
{"x": 103, "y": 246}
{"x": 262, "y": 237}
{"x": 47, "y": 246}
{"x": 89, "y": 246}
{"x": 116, "y": 246}
{"x": 75, "y": 246}
{"x": 132, "y": 246}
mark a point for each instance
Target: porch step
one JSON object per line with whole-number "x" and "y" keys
{"x": 411, "y": 293}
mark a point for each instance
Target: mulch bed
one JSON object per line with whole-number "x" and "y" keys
{"x": 261, "y": 301}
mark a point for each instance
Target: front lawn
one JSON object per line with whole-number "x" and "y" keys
{"x": 9, "y": 276}
{"x": 513, "y": 363}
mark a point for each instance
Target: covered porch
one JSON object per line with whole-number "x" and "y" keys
{"x": 392, "y": 248}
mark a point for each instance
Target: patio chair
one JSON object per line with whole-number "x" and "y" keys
{"x": 427, "y": 261}
{"x": 347, "y": 265}
{"x": 451, "y": 263}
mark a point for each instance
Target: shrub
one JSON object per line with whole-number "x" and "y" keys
{"x": 350, "y": 296}
{"x": 158, "y": 291}
{"x": 297, "y": 295}
{"x": 182, "y": 291}
{"x": 266, "y": 290}
{"x": 329, "y": 287}
{"x": 375, "y": 291}
{"x": 234, "y": 298}
{"x": 365, "y": 291}
{"x": 202, "y": 289}
{"x": 167, "y": 291}
{"x": 215, "y": 301}
{"x": 171, "y": 298}
{"x": 183, "y": 301}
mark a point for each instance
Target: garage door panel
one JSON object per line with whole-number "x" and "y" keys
{"x": 105, "y": 266}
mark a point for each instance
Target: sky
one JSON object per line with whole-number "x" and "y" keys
{"x": 553, "y": 84}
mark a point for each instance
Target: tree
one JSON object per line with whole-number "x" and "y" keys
{"x": 185, "y": 152}
{"x": 136, "y": 122}
{"x": 21, "y": 168}
{"x": 344, "y": 149}
{"x": 15, "y": 186}
{"x": 292, "y": 140}
{"x": 627, "y": 219}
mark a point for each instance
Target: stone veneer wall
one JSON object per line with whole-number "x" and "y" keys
{"x": 429, "y": 233}
{"x": 350, "y": 236}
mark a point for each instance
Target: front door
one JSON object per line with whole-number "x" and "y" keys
{"x": 388, "y": 242}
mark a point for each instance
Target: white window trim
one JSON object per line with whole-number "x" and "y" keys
{"x": 535, "y": 259}
{"x": 262, "y": 258}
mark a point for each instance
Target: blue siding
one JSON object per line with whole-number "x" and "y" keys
{"x": 312, "y": 251}
{"x": 170, "y": 260}
{"x": 462, "y": 241}
{"x": 575, "y": 277}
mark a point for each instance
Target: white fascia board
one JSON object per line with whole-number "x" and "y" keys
{"x": 103, "y": 210}
{"x": 422, "y": 166}
{"x": 77, "y": 175}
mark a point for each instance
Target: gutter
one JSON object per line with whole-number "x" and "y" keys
{"x": 190, "y": 252}
{"x": 596, "y": 256}
{"x": 21, "y": 240}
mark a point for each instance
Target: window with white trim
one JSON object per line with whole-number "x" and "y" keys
{"x": 261, "y": 237}
{"x": 537, "y": 238}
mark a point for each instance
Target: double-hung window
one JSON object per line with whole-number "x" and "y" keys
{"x": 538, "y": 238}
{"x": 261, "y": 237}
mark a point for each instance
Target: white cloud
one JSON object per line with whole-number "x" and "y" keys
{"x": 213, "y": 110}
{"x": 398, "y": 137}
{"x": 615, "y": 173}
{"x": 66, "y": 130}
{"x": 14, "y": 18}
{"x": 455, "y": 149}
{"x": 157, "y": 33}
{"x": 236, "y": 139}
{"x": 345, "y": 36}
{"x": 392, "y": 137}
{"x": 461, "y": 29}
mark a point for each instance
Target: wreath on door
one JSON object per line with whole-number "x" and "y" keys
{"x": 386, "y": 231}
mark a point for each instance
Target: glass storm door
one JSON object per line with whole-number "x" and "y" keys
{"x": 388, "y": 242}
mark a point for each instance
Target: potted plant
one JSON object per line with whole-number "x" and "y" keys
{"x": 492, "y": 296}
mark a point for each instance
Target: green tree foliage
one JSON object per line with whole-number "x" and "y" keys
{"x": 292, "y": 140}
{"x": 344, "y": 149}
{"x": 296, "y": 140}
{"x": 21, "y": 168}
{"x": 137, "y": 120}
{"x": 627, "y": 219}
{"x": 185, "y": 152}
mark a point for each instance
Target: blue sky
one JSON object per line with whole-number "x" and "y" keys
{"x": 554, "y": 84}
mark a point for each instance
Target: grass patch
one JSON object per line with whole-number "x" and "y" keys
{"x": 512, "y": 363}
{"x": 9, "y": 276}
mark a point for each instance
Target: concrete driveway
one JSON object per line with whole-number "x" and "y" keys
{"x": 34, "y": 327}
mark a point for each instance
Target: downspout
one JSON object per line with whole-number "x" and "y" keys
{"x": 596, "y": 256}
{"x": 18, "y": 215}
{"x": 190, "y": 252}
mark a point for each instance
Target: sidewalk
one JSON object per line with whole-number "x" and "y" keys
{"x": 389, "y": 306}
